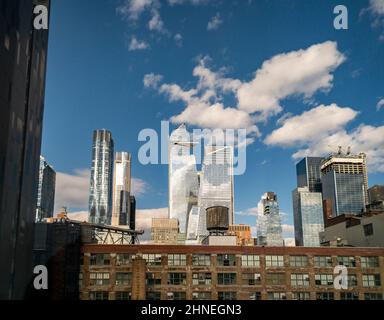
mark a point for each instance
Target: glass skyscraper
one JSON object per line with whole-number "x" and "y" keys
{"x": 45, "y": 191}
{"x": 23, "y": 56}
{"x": 345, "y": 183}
{"x": 268, "y": 224}
{"x": 216, "y": 183}
{"x": 121, "y": 189}
{"x": 307, "y": 216}
{"x": 100, "y": 197}
{"x": 183, "y": 181}
{"x": 309, "y": 174}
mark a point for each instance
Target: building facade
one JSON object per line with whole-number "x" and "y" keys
{"x": 23, "y": 56}
{"x": 376, "y": 193}
{"x": 164, "y": 231}
{"x": 307, "y": 217}
{"x": 100, "y": 197}
{"x": 121, "y": 189}
{"x": 182, "y": 177}
{"x": 242, "y": 233}
{"x": 268, "y": 224}
{"x": 308, "y": 173}
{"x": 345, "y": 183}
{"x": 45, "y": 191}
{"x": 158, "y": 272}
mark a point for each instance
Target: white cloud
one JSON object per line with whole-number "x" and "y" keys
{"x": 377, "y": 7}
{"x": 72, "y": 190}
{"x": 152, "y": 80}
{"x": 376, "y": 10}
{"x": 302, "y": 72}
{"x": 311, "y": 125}
{"x": 132, "y": 9}
{"x": 144, "y": 220}
{"x": 78, "y": 216}
{"x": 248, "y": 212}
{"x": 178, "y": 39}
{"x": 380, "y": 104}
{"x": 215, "y": 22}
{"x": 137, "y": 44}
{"x": 193, "y": 2}
{"x": 138, "y": 187}
{"x": 156, "y": 23}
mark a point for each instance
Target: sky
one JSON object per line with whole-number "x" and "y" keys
{"x": 278, "y": 69}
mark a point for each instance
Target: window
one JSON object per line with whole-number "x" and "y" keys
{"x": 347, "y": 261}
{"x": 123, "y": 295}
{"x": 201, "y": 279}
{"x": 301, "y": 296}
{"x": 371, "y": 280}
{"x": 152, "y": 259}
{"x": 123, "y": 259}
{"x": 274, "y": 261}
{"x": 276, "y": 279}
{"x": 325, "y": 296}
{"x": 226, "y": 278}
{"x": 323, "y": 261}
{"x": 123, "y": 278}
{"x": 177, "y": 278}
{"x": 255, "y": 295}
{"x": 349, "y": 296}
{"x": 153, "y": 279}
{"x": 369, "y": 262}
{"x": 226, "y": 295}
{"x": 352, "y": 280}
{"x": 98, "y": 278}
{"x": 98, "y": 295}
{"x": 373, "y": 296}
{"x": 201, "y": 259}
{"x": 368, "y": 229}
{"x": 324, "y": 279}
{"x": 299, "y": 280}
{"x": 250, "y": 279}
{"x": 177, "y": 260}
{"x": 100, "y": 259}
{"x": 226, "y": 260}
{"x": 277, "y": 296}
{"x": 298, "y": 261}
{"x": 201, "y": 296}
{"x": 153, "y": 295}
{"x": 250, "y": 260}
{"x": 176, "y": 296}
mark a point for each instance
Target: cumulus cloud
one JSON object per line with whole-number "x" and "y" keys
{"x": 132, "y": 9}
{"x": 376, "y": 10}
{"x": 215, "y": 22}
{"x": 144, "y": 220}
{"x": 380, "y": 104}
{"x": 311, "y": 125}
{"x": 248, "y": 212}
{"x": 156, "y": 23}
{"x": 302, "y": 72}
{"x": 138, "y": 187}
{"x": 137, "y": 44}
{"x": 152, "y": 80}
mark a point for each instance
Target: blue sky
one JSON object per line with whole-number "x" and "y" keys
{"x": 101, "y": 50}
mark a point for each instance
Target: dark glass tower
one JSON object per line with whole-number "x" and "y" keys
{"x": 45, "y": 191}
{"x": 309, "y": 174}
{"x": 23, "y": 55}
{"x": 100, "y": 198}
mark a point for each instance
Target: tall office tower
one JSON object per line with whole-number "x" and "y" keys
{"x": 45, "y": 191}
{"x": 100, "y": 197}
{"x": 121, "y": 189}
{"x": 132, "y": 213}
{"x": 345, "y": 183}
{"x": 23, "y": 52}
{"x": 269, "y": 230}
{"x": 309, "y": 174}
{"x": 376, "y": 193}
{"x": 216, "y": 183}
{"x": 182, "y": 179}
{"x": 307, "y": 217}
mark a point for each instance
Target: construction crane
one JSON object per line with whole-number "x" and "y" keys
{"x": 340, "y": 149}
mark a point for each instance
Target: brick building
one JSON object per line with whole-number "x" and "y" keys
{"x": 170, "y": 272}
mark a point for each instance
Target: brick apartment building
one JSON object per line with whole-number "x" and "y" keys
{"x": 167, "y": 272}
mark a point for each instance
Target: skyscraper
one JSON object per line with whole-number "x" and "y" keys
{"x": 45, "y": 191}
{"x": 309, "y": 174}
{"x": 307, "y": 216}
{"x": 345, "y": 183}
{"x": 100, "y": 198}
{"x": 23, "y": 53}
{"x": 183, "y": 182}
{"x": 216, "y": 183}
{"x": 376, "y": 193}
{"x": 121, "y": 189}
{"x": 268, "y": 224}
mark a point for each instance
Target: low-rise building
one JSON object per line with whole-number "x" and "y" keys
{"x": 165, "y": 231}
{"x": 242, "y": 233}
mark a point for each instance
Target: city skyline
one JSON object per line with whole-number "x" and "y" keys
{"x": 145, "y": 87}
